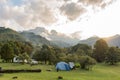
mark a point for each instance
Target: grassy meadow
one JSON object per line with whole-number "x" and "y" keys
{"x": 99, "y": 72}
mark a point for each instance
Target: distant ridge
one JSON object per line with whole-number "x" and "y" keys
{"x": 112, "y": 41}
{"x": 90, "y": 41}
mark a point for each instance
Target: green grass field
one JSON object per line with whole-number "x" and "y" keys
{"x": 99, "y": 72}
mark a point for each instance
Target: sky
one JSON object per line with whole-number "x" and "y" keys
{"x": 84, "y": 18}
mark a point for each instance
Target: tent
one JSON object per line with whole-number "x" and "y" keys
{"x": 62, "y": 66}
{"x": 72, "y": 65}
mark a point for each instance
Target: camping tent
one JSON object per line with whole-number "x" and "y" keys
{"x": 62, "y": 66}
{"x": 72, "y": 65}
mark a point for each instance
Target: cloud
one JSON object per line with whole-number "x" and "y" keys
{"x": 72, "y": 10}
{"x": 30, "y": 14}
{"x": 66, "y": 0}
{"x": 41, "y": 12}
{"x": 57, "y": 36}
{"x": 40, "y": 31}
{"x": 76, "y": 34}
{"x": 91, "y": 2}
{"x": 96, "y": 3}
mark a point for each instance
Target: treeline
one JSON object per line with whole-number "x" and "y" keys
{"x": 86, "y": 55}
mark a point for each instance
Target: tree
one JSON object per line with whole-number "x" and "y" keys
{"x": 25, "y": 47}
{"x": 72, "y": 58}
{"x": 24, "y": 57}
{"x": 7, "y": 52}
{"x": 100, "y": 49}
{"x": 37, "y": 56}
{"x": 81, "y": 50}
{"x": 86, "y": 62}
{"x": 112, "y": 55}
{"x": 46, "y": 54}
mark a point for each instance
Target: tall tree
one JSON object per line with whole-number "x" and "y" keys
{"x": 47, "y": 54}
{"x": 7, "y": 52}
{"x": 100, "y": 49}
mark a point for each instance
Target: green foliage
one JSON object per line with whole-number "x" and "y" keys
{"x": 61, "y": 54}
{"x": 46, "y": 54}
{"x": 7, "y": 34}
{"x": 77, "y": 65}
{"x": 24, "y": 57}
{"x": 9, "y": 49}
{"x": 81, "y": 49}
{"x": 100, "y": 49}
{"x": 86, "y": 62}
{"x": 72, "y": 58}
{"x": 7, "y": 52}
{"x": 113, "y": 55}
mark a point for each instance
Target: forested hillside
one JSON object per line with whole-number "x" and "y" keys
{"x": 7, "y": 34}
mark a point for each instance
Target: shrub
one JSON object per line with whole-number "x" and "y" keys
{"x": 77, "y": 65}
{"x": 86, "y": 62}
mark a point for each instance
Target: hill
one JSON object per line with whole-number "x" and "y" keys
{"x": 60, "y": 43}
{"x": 113, "y": 40}
{"x": 90, "y": 41}
{"x": 35, "y": 39}
{"x": 7, "y": 34}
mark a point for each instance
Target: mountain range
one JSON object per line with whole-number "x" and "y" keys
{"x": 57, "y": 38}
{"x": 40, "y": 36}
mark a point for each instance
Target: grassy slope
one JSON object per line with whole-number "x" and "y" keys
{"x": 99, "y": 72}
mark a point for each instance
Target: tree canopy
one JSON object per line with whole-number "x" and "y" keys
{"x": 100, "y": 48}
{"x": 112, "y": 55}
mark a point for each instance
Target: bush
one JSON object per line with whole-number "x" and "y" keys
{"x": 77, "y": 65}
{"x": 86, "y": 62}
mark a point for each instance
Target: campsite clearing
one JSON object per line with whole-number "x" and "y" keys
{"x": 99, "y": 72}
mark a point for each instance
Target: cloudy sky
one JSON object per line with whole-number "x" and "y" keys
{"x": 84, "y": 18}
